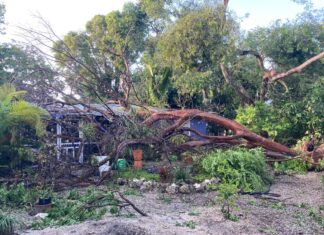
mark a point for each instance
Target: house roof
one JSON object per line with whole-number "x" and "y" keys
{"x": 60, "y": 109}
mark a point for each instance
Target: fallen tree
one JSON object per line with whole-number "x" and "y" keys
{"x": 241, "y": 135}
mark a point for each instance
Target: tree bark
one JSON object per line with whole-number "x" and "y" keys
{"x": 240, "y": 131}
{"x": 297, "y": 69}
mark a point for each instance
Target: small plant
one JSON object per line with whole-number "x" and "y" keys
{"x": 190, "y": 224}
{"x": 320, "y": 166}
{"x": 277, "y": 205}
{"x": 173, "y": 158}
{"x": 6, "y": 224}
{"x": 317, "y": 216}
{"x": 180, "y": 175}
{"x": 227, "y": 195}
{"x": 165, "y": 199}
{"x": 252, "y": 203}
{"x": 45, "y": 193}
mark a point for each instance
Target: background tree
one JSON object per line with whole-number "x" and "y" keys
{"x": 102, "y": 56}
{"x": 18, "y": 118}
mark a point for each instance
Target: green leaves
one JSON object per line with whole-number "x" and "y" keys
{"x": 262, "y": 117}
{"x": 244, "y": 168}
{"x": 14, "y": 111}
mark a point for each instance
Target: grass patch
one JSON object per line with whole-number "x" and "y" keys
{"x": 317, "y": 216}
{"x": 131, "y": 191}
{"x": 138, "y": 174}
{"x": 190, "y": 224}
{"x": 193, "y": 213}
{"x": 165, "y": 199}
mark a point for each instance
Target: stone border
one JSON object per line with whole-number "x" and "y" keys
{"x": 171, "y": 188}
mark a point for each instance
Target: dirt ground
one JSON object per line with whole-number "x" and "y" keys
{"x": 296, "y": 211}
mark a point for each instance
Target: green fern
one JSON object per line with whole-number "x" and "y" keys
{"x": 245, "y": 168}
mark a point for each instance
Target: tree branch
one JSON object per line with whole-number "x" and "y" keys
{"x": 236, "y": 86}
{"x": 297, "y": 69}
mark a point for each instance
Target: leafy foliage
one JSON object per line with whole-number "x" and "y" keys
{"x": 17, "y": 196}
{"x": 94, "y": 61}
{"x": 6, "y": 224}
{"x": 15, "y": 111}
{"x": 17, "y": 118}
{"x": 72, "y": 211}
{"x": 262, "y": 117}
{"x": 244, "y": 168}
{"x": 180, "y": 174}
{"x": 227, "y": 195}
{"x": 292, "y": 166}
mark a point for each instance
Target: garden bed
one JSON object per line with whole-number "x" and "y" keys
{"x": 298, "y": 210}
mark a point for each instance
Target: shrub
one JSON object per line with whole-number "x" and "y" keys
{"x": 292, "y": 166}
{"x": 262, "y": 117}
{"x": 180, "y": 174}
{"x": 245, "y": 168}
{"x": 227, "y": 195}
{"x": 17, "y": 196}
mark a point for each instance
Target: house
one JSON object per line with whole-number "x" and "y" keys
{"x": 66, "y": 126}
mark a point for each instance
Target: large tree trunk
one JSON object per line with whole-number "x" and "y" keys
{"x": 242, "y": 135}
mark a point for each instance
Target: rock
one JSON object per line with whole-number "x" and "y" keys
{"x": 162, "y": 187}
{"x": 146, "y": 186}
{"x": 155, "y": 184}
{"x": 121, "y": 181}
{"x": 41, "y": 215}
{"x": 78, "y": 173}
{"x": 135, "y": 183}
{"x": 185, "y": 189}
{"x": 214, "y": 181}
{"x": 199, "y": 187}
{"x": 172, "y": 189}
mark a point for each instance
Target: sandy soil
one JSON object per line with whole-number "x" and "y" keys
{"x": 287, "y": 214}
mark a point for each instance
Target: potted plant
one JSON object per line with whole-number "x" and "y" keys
{"x": 45, "y": 197}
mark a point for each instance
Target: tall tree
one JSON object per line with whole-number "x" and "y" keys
{"x": 100, "y": 59}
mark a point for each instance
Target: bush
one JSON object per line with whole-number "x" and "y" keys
{"x": 17, "y": 196}
{"x": 262, "y": 117}
{"x": 292, "y": 166}
{"x": 180, "y": 174}
{"x": 245, "y": 168}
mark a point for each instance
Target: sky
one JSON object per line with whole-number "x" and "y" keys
{"x": 72, "y": 15}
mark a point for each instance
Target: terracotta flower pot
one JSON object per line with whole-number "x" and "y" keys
{"x": 188, "y": 160}
{"x": 137, "y": 154}
{"x": 138, "y": 165}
